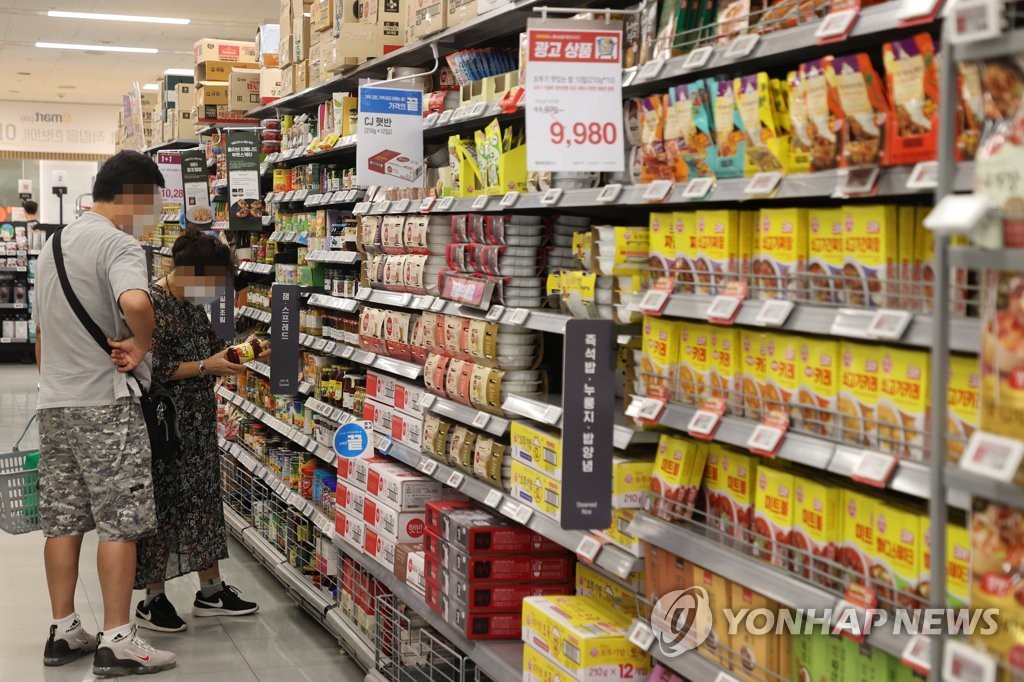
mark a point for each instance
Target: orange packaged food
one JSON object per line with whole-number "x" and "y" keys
{"x": 823, "y": 112}
{"x": 654, "y": 164}
{"x": 864, "y": 108}
{"x": 912, "y": 77}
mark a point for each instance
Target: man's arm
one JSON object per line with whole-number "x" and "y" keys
{"x": 137, "y": 309}
{"x": 39, "y": 350}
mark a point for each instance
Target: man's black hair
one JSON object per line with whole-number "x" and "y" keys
{"x": 126, "y": 169}
{"x": 30, "y": 206}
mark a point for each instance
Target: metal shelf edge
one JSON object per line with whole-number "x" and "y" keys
{"x": 975, "y": 485}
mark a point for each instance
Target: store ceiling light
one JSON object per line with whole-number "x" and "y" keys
{"x": 117, "y": 17}
{"x": 178, "y": 72}
{"x": 151, "y": 86}
{"x": 97, "y": 48}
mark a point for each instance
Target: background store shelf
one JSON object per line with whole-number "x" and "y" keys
{"x": 470, "y": 416}
{"x": 987, "y": 259}
{"x": 172, "y": 144}
{"x": 1007, "y": 43}
{"x": 984, "y": 487}
{"x": 291, "y": 433}
{"x": 692, "y": 666}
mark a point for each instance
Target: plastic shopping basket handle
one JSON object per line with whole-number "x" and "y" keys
{"x": 17, "y": 445}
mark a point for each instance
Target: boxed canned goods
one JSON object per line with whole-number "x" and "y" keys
{"x": 400, "y": 488}
{"x": 394, "y": 525}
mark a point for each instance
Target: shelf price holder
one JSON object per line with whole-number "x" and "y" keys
{"x": 992, "y": 456}
{"x": 641, "y": 635}
{"x": 857, "y": 181}
{"x": 874, "y": 468}
{"x": 974, "y": 20}
{"x": 763, "y": 184}
{"x": 889, "y": 325}
{"x": 707, "y": 419}
{"x": 741, "y": 47}
{"x": 767, "y": 437}
{"x": 609, "y": 193}
{"x": 656, "y": 299}
{"x": 647, "y": 409}
{"x": 698, "y": 188}
{"x": 961, "y": 662}
{"x": 774, "y": 312}
{"x": 658, "y": 191}
{"x": 917, "y": 654}
{"x": 853, "y": 615}
{"x": 838, "y": 23}
{"x": 726, "y": 306}
{"x": 588, "y": 549}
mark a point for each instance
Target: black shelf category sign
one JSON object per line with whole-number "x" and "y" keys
{"x": 245, "y": 205}
{"x": 588, "y": 420}
{"x": 222, "y": 316}
{"x": 284, "y": 340}
{"x": 198, "y": 213}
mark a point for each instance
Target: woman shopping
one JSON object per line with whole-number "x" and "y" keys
{"x": 187, "y": 357}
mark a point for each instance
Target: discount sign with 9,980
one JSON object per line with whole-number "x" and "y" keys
{"x": 574, "y": 96}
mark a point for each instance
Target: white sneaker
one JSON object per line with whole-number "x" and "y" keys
{"x": 65, "y": 647}
{"x": 129, "y": 654}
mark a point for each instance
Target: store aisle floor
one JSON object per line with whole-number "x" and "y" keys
{"x": 281, "y": 642}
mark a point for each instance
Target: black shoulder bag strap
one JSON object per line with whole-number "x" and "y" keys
{"x": 76, "y": 305}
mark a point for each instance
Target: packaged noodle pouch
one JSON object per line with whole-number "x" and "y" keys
{"x": 823, "y": 114}
{"x": 727, "y": 157}
{"x": 865, "y": 109}
{"x": 652, "y": 130}
{"x": 913, "y": 80}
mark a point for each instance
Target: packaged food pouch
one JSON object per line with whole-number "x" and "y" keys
{"x": 652, "y": 129}
{"x": 819, "y": 123}
{"x": 865, "y": 109}
{"x": 913, "y": 82}
{"x": 727, "y": 157}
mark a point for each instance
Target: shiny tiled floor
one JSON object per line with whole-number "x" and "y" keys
{"x": 279, "y": 643}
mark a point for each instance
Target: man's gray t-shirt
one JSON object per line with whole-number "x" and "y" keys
{"x": 102, "y": 263}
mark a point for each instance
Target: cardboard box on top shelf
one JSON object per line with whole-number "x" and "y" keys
{"x": 148, "y": 99}
{"x": 184, "y": 120}
{"x": 284, "y": 45}
{"x": 271, "y": 84}
{"x": 244, "y": 89}
{"x": 323, "y": 13}
{"x": 185, "y": 95}
{"x": 287, "y": 82}
{"x": 353, "y": 38}
{"x": 230, "y": 51}
{"x": 211, "y": 93}
{"x": 300, "y": 76}
{"x": 300, "y": 38}
{"x": 461, "y": 11}
{"x": 268, "y": 44}
{"x": 167, "y": 132}
{"x": 170, "y": 88}
{"x": 393, "y": 18}
{"x": 316, "y": 72}
{"x": 426, "y": 17}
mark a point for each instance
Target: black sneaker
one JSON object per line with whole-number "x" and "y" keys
{"x": 224, "y": 603}
{"x": 65, "y": 648}
{"x": 159, "y": 615}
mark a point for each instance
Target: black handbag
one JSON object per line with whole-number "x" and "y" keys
{"x": 157, "y": 404}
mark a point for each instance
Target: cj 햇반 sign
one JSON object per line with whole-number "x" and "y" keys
{"x": 390, "y": 149}
{"x": 574, "y": 96}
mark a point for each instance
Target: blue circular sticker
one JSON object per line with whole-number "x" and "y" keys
{"x": 351, "y": 440}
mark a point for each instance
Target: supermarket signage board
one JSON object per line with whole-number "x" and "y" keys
{"x": 222, "y": 316}
{"x": 245, "y": 203}
{"x": 198, "y": 213}
{"x": 284, "y": 338}
{"x": 574, "y": 96}
{"x": 390, "y": 148}
{"x": 169, "y": 163}
{"x": 588, "y": 382}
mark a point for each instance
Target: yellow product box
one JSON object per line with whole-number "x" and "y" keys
{"x": 870, "y": 256}
{"x": 773, "y": 515}
{"x": 660, "y": 360}
{"x": 963, "y": 399}
{"x": 725, "y": 367}
{"x": 781, "y": 355}
{"x": 684, "y": 226}
{"x": 736, "y": 503}
{"x": 856, "y": 555}
{"x": 903, "y": 402}
{"x": 536, "y": 447}
{"x": 719, "y": 596}
{"x": 825, "y": 254}
{"x": 906, "y": 233}
{"x": 958, "y": 563}
{"x": 995, "y": 569}
{"x": 713, "y": 484}
{"x": 816, "y": 530}
{"x": 631, "y": 480}
{"x": 539, "y": 668}
{"x": 754, "y": 371}
{"x": 780, "y": 253}
{"x": 591, "y": 582}
{"x": 818, "y": 377}
{"x": 720, "y": 243}
{"x": 540, "y": 491}
{"x": 694, "y": 362}
{"x": 663, "y": 244}
{"x": 860, "y": 388}
{"x": 618, "y": 533}
{"x": 677, "y": 475}
{"x": 585, "y": 636}
{"x": 897, "y": 562}
{"x": 619, "y": 250}
{"x": 753, "y": 654}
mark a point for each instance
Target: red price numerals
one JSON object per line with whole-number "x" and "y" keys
{"x": 583, "y": 132}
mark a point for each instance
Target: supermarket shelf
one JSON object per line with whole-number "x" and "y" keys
{"x": 13, "y": 306}
{"x": 987, "y": 259}
{"x": 777, "y": 48}
{"x": 547, "y": 411}
{"x": 345, "y": 305}
{"x": 608, "y": 557}
{"x": 1006, "y": 44}
{"x": 464, "y": 414}
{"x": 910, "y": 477}
{"x": 291, "y": 433}
{"x": 8, "y": 341}
{"x": 625, "y": 435}
{"x": 212, "y": 127}
{"x": 407, "y": 370}
{"x": 295, "y": 156}
{"x": 691, "y": 666}
{"x": 171, "y": 144}
{"x": 235, "y": 523}
{"x": 16, "y": 268}
{"x": 340, "y": 198}
{"x": 258, "y": 268}
{"x": 263, "y": 369}
{"x": 350, "y": 639}
{"x": 807, "y": 318}
{"x": 500, "y": 660}
{"x": 333, "y": 257}
{"x": 253, "y": 314}
{"x": 335, "y": 414}
{"x": 977, "y": 485}
{"x": 789, "y": 589}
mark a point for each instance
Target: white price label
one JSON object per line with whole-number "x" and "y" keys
{"x": 348, "y": 352}
{"x": 493, "y": 499}
{"x": 478, "y": 109}
{"x": 641, "y": 635}
{"x": 704, "y": 423}
{"x": 438, "y": 305}
{"x": 763, "y": 183}
{"x": 431, "y": 119}
{"x": 480, "y": 202}
{"x": 426, "y": 400}
{"x": 517, "y": 316}
{"x": 428, "y": 466}
{"x": 918, "y": 654}
{"x": 925, "y": 175}
{"x": 445, "y": 117}
{"x": 523, "y": 514}
{"x": 741, "y": 47}
{"x": 509, "y": 200}
{"x": 723, "y": 308}
{"x": 698, "y": 188}
{"x": 774, "y": 312}
{"x": 658, "y": 191}
{"x": 481, "y": 420}
{"x": 651, "y": 69}
{"x": 589, "y": 548}
{"x": 445, "y": 204}
{"x": 961, "y": 662}
{"x": 495, "y": 312}
{"x": 874, "y": 468}
{"x": 765, "y": 439}
{"x": 633, "y": 409}
{"x": 400, "y": 206}
{"x": 651, "y": 409}
{"x": 889, "y": 324}
{"x": 551, "y": 197}
{"x": 455, "y": 480}
{"x": 361, "y": 208}
{"x": 352, "y": 195}
{"x": 382, "y": 443}
{"x": 381, "y": 206}
{"x": 363, "y": 293}
{"x": 857, "y": 181}
{"x": 974, "y": 20}
{"x": 992, "y": 456}
{"x": 609, "y": 193}
{"x": 427, "y": 204}
{"x": 852, "y": 322}
{"x": 697, "y": 58}
{"x": 654, "y": 301}
{"x": 836, "y": 25}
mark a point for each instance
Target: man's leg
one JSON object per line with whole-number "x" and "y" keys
{"x": 115, "y": 562}
{"x": 61, "y": 558}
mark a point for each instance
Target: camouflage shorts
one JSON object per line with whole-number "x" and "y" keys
{"x": 95, "y": 471}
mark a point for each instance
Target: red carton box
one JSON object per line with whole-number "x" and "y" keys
{"x": 401, "y": 488}
{"x": 507, "y": 569}
{"x": 399, "y": 527}
{"x": 436, "y": 509}
{"x": 432, "y": 545}
{"x": 378, "y": 162}
{"x": 482, "y": 625}
{"x": 504, "y": 598}
{"x": 477, "y": 535}
{"x": 356, "y": 471}
{"x": 350, "y": 498}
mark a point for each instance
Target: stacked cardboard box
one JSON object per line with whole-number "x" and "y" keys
{"x": 215, "y": 59}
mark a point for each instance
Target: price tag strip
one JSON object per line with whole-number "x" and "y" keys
{"x": 925, "y": 176}
{"x": 551, "y": 197}
{"x": 992, "y": 456}
{"x": 874, "y": 468}
{"x": 706, "y": 420}
{"x": 961, "y": 662}
{"x": 493, "y": 499}
{"x": 774, "y": 312}
{"x": 698, "y": 188}
{"x": 445, "y": 204}
{"x": 698, "y": 58}
{"x": 509, "y": 200}
{"x": 917, "y": 655}
{"x": 480, "y": 203}
{"x": 658, "y": 191}
{"x": 641, "y": 635}
{"x": 837, "y": 25}
{"x": 609, "y": 193}
{"x": 974, "y": 20}
{"x": 767, "y": 438}
{"x": 763, "y": 184}
{"x": 589, "y": 548}
{"x": 455, "y": 480}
